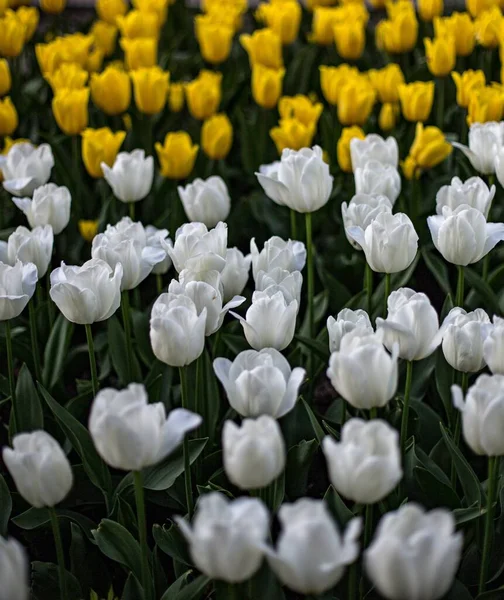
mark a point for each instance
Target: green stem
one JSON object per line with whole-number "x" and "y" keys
{"x": 440, "y": 102}
{"x": 352, "y": 581}
{"x": 10, "y": 368}
{"x": 131, "y": 209}
{"x": 92, "y": 359}
{"x": 457, "y": 430}
{"x": 159, "y": 283}
{"x": 311, "y": 284}
{"x": 187, "y": 462}
{"x": 493, "y": 463}
{"x": 142, "y": 534}
{"x": 50, "y": 307}
{"x": 59, "y": 553}
{"x": 386, "y": 294}
{"x": 34, "y": 340}
{"x": 460, "y": 287}
{"x": 125, "y": 307}
{"x": 293, "y": 224}
{"x": 373, "y": 413}
{"x": 405, "y": 413}
{"x": 368, "y": 281}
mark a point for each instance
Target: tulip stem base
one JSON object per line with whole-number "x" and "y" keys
{"x": 34, "y": 340}
{"x": 185, "y": 446}
{"x": 368, "y": 284}
{"x": 405, "y": 412}
{"x": 142, "y": 533}
{"x": 493, "y": 468}
{"x": 131, "y": 210}
{"x": 10, "y": 368}
{"x": 125, "y": 307}
{"x": 386, "y": 294}
{"x": 311, "y": 285}
{"x": 59, "y": 553}
{"x": 92, "y": 359}
{"x": 293, "y": 224}
{"x": 460, "y": 287}
{"x": 159, "y": 283}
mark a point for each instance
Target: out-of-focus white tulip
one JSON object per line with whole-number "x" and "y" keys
{"x": 33, "y": 246}
{"x": 377, "y": 179}
{"x": 390, "y": 242}
{"x": 17, "y": 285}
{"x": 227, "y": 536}
{"x": 206, "y": 201}
{"x": 374, "y": 147}
{"x": 362, "y": 211}
{"x": 131, "y": 175}
{"x": 270, "y": 169}
{"x": 89, "y": 293}
{"x": 346, "y": 321}
{"x": 158, "y": 238}
{"x": 302, "y": 181}
{"x": 127, "y": 243}
{"x": 414, "y": 554}
{"x": 290, "y": 255}
{"x": 14, "y": 569}
{"x": 254, "y": 454}
{"x": 365, "y": 466}
{"x": 198, "y": 249}
{"x": 362, "y": 371}
{"x": 485, "y": 141}
{"x": 235, "y": 274}
{"x": 26, "y": 167}
{"x": 463, "y": 337}
{"x": 39, "y": 467}
{"x": 462, "y": 236}
{"x": 482, "y": 414}
{"x": 279, "y": 280}
{"x": 311, "y": 555}
{"x": 130, "y": 434}
{"x": 473, "y": 192}
{"x": 493, "y": 347}
{"x": 50, "y": 206}
{"x": 177, "y": 331}
{"x": 412, "y": 323}
{"x": 260, "y": 383}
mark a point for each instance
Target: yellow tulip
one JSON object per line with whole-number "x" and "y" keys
{"x": 388, "y": 116}
{"x": 440, "y": 55}
{"x": 111, "y": 90}
{"x": 466, "y": 83}
{"x": 176, "y": 97}
{"x": 300, "y": 108}
{"x": 137, "y": 24}
{"x": 416, "y": 100}
{"x": 158, "y": 7}
{"x": 386, "y": 82}
{"x": 214, "y": 39}
{"x": 398, "y": 7}
{"x": 487, "y": 27}
{"x": 67, "y": 75}
{"x": 105, "y": 36}
{"x": 350, "y": 39}
{"x": 4, "y": 5}
{"x": 343, "y": 146}
{"x": 476, "y": 7}
{"x": 226, "y": 12}
{"x": 53, "y": 7}
{"x": 100, "y": 145}
{"x": 379, "y": 4}
{"x": 88, "y": 229}
{"x": 461, "y": 27}
{"x": 29, "y": 16}
{"x": 332, "y": 79}
{"x": 217, "y": 137}
{"x": 324, "y": 20}
{"x": 203, "y": 94}
{"x": 177, "y": 155}
{"x": 76, "y": 47}
{"x": 94, "y": 60}
{"x": 267, "y": 85}
{"x": 109, "y": 10}
{"x": 485, "y": 104}
{"x": 313, "y": 4}
{"x": 70, "y": 109}
{"x": 397, "y": 35}
{"x": 139, "y": 52}
{"x": 264, "y": 47}
{"x": 292, "y": 134}
{"x": 12, "y": 35}
{"x": 355, "y": 102}
{"x": 429, "y": 148}
{"x": 8, "y": 117}
{"x": 150, "y": 86}
{"x": 284, "y": 18}
{"x": 5, "y": 77}
{"x": 428, "y": 9}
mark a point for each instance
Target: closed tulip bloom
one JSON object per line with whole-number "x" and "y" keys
{"x": 292, "y": 134}
{"x": 29, "y": 16}
{"x": 217, "y": 136}
{"x": 158, "y": 7}
{"x": 343, "y": 146}
{"x": 485, "y": 142}
{"x": 266, "y": 85}
{"x": 50, "y": 206}
{"x": 39, "y": 467}
{"x": 386, "y": 82}
{"x": 416, "y": 100}
{"x": 389, "y": 113}
{"x": 198, "y": 249}
{"x": 376, "y": 178}
{"x": 374, "y": 147}
{"x": 138, "y": 24}
{"x": 487, "y": 27}
{"x": 235, "y": 274}
{"x": 139, "y": 53}
{"x": 109, "y": 10}
{"x": 12, "y": 35}
{"x": 350, "y": 39}
{"x": 414, "y": 554}
{"x": 290, "y": 255}
{"x": 362, "y": 211}
{"x": 203, "y": 95}
{"x": 131, "y": 175}
{"x": 474, "y": 192}
{"x": 463, "y": 338}
{"x": 227, "y": 536}
{"x": 278, "y": 280}
{"x": 311, "y": 554}
{"x": 346, "y": 321}
{"x": 88, "y": 228}
{"x": 440, "y": 54}
{"x": 8, "y": 117}
{"x": 100, "y": 146}
{"x": 332, "y": 80}
{"x": 301, "y": 108}
{"x": 466, "y": 83}
{"x": 214, "y": 39}
{"x": 33, "y": 246}
{"x": 26, "y": 167}
{"x": 476, "y": 7}
{"x": 399, "y": 34}
{"x": 356, "y": 101}
{"x": 493, "y": 347}
{"x": 5, "y": 77}
{"x": 429, "y": 9}
{"x": 53, "y": 7}
{"x": 412, "y": 323}
{"x": 260, "y": 383}
{"x": 264, "y": 47}
{"x": 485, "y": 104}
{"x": 150, "y": 87}
{"x": 14, "y": 570}
{"x": 206, "y": 201}
{"x": 284, "y": 18}
{"x": 67, "y": 76}
{"x": 461, "y": 27}
{"x": 105, "y": 36}
{"x": 17, "y": 285}
{"x": 429, "y": 148}
{"x": 70, "y": 109}
{"x": 176, "y": 97}
{"x": 111, "y": 91}
{"x": 177, "y": 156}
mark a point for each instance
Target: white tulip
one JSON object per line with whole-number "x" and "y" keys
{"x": 127, "y": 243}
{"x": 89, "y": 293}
{"x": 311, "y": 555}
{"x": 131, "y": 175}
{"x": 177, "y": 331}
{"x": 14, "y": 570}
{"x": 473, "y": 192}
{"x": 493, "y": 347}
{"x": 361, "y": 211}
{"x": 290, "y": 255}
{"x": 365, "y": 466}
{"x": 254, "y": 454}
{"x": 279, "y": 280}
{"x": 270, "y": 169}
{"x": 206, "y": 201}
{"x": 390, "y": 242}
{"x": 158, "y": 238}
{"x": 227, "y": 536}
{"x": 130, "y": 434}
{"x": 39, "y": 468}
{"x": 499, "y": 165}
{"x": 26, "y": 167}
{"x": 235, "y": 274}
{"x": 33, "y": 246}
{"x": 374, "y": 147}
{"x": 17, "y": 285}
{"x": 362, "y": 371}
{"x": 463, "y": 337}
{"x": 346, "y": 321}
{"x": 412, "y": 323}
{"x": 377, "y": 179}
{"x": 482, "y": 414}
{"x": 260, "y": 383}
{"x": 485, "y": 141}
{"x": 199, "y": 249}
{"x": 50, "y": 206}
{"x": 414, "y": 554}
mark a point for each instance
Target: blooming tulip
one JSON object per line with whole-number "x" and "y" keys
{"x": 150, "y": 87}
{"x": 105, "y": 36}
{"x": 290, "y": 255}
{"x": 111, "y": 90}
{"x": 388, "y": 116}
{"x": 8, "y": 117}
{"x": 284, "y": 18}
{"x": 356, "y": 101}
{"x": 440, "y": 55}
{"x": 5, "y": 77}
{"x": 198, "y": 249}
{"x": 399, "y": 34}
{"x": 100, "y": 146}
{"x": 499, "y": 165}
{"x": 346, "y": 321}
{"x": 177, "y": 156}
{"x": 429, "y": 148}
{"x": 33, "y": 246}
{"x": 343, "y": 146}
{"x": 485, "y": 141}
{"x": 235, "y": 274}
{"x": 264, "y": 47}
{"x": 461, "y": 27}
{"x": 69, "y": 76}
{"x": 429, "y": 9}
{"x": 464, "y": 335}
{"x": 70, "y": 109}
{"x": 203, "y": 95}
{"x": 12, "y": 36}
{"x": 374, "y": 147}
{"x": 361, "y": 211}
{"x": 350, "y": 38}
{"x": 332, "y": 80}
{"x": 466, "y": 83}
{"x": 13, "y": 570}
{"x": 29, "y": 17}
{"x": 266, "y": 85}
{"x": 493, "y": 347}
{"x": 292, "y": 134}
{"x": 109, "y": 10}
{"x": 131, "y": 175}
{"x": 159, "y": 239}
{"x": 206, "y": 201}
{"x": 17, "y": 285}
{"x": 278, "y": 280}
{"x": 50, "y": 206}
{"x": 26, "y": 167}
{"x": 386, "y": 82}
{"x": 217, "y": 137}
{"x": 138, "y": 24}
{"x": 376, "y": 178}
{"x": 214, "y": 39}
{"x": 139, "y": 53}
{"x": 486, "y": 104}
{"x": 473, "y": 192}
{"x": 176, "y": 97}
{"x": 416, "y": 100}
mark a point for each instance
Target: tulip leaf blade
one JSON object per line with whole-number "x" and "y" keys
{"x": 444, "y": 380}
{"x": 56, "y": 351}
{"x": 432, "y": 487}
{"x": 337, "y": 507}
{"x": 438, "y": 269}
{"x": 483, "y": 289}
{"x": 492, "y": 594}
{"x": 317, "y": 428}
{"x": 191, "y": 591}
{"x": 117, "y": 352}
{"x": 29, "y": 412}
{"x": 299, "y": 460}
{"x": 117, "y": 543}
{"x": 319, "y": 349}
{"x": 5, "y": 506}
{"x": 45, "y": 582}
{"x": 171, "y": 541}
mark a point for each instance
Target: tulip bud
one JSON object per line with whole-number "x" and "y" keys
{"x": 227, "y": 536}
{"x": 25, "y": 168}
{"x": 466, "y": 83}
{"x": 12, "y": 36}
{"x": 203, "y": 95}
{"x": 493, "y": 347}
{"x": 131, "y": 175}
{"x": 343, "y": 146}
{"x": 8, "y": 117}
{"x": 214, "y": 39}
{"x": 260, "y": 383}
{"x": 53, "y": 7}
{"x": 88, "y": 228}
{"x": 29, "y": 17}
{"x": 473, "y": 192}
{"x": 150, "y": 87}
{"x": 429, "y": 148}
{"x": 139, "y": 53}
{"x": 109, "y": 10}
{"x": 387, "y": 118}
{"x": 414, "y": 554}
{"x": 346, "y": 321}
{"x": 324, "y": 19}
{"x": 111, "y": 91}
{"x": 374, "y": 147}
{"x": 70, "y": 109}
{"x": 284, "y": 18}
{"x": 429, "y": 9}
{"x": 332, "y": 80}
{"x": 264, "y": 47}
{"x": 100, "y": 146}
{"x": 386, "y": 82}
{"x": 198, "y": 249}
{"x": 311, "y": 555}
{"x": 485, "y": 141}
{"x": 356, "y": 101}
{"x": 206, "y": 201}
{"x": 278, "y": 280}
{"x": 376, "y": 178}
{"x": 361, "y": 212}
{"x": 14, "y": 569}
{"x": 350, "y": 38}
{"x": 416, "y": 100}
{"x": 217, "y": 137}
{"x": 290, "y": 255}
{"x": 235, "y": 274}
{"x": 463, "y": 338}
{"x": 17, "y": 285}
{"x": 176, "y": 97}
{"x": 292, "y": 134}
{"x": 33, "y": 246}
{"x": 39, "y": 467}
{"x": 398, "y": 34}
{"x": 440, "y": 54}
{"x": 177, "y": 156}
{"x": 138, "y": 24}
{"x": 105, "y": 36}
{"x": 5, "y": 77}
{"x": 50, "y": 206}
{"x": 301, "y": 108}
{"x": 266, "y": 85}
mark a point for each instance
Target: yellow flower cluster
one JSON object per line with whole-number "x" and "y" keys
{"x": 299, "y": 116}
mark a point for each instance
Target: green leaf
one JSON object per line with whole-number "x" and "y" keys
{"x": 497, "y": 594}
{"x": 171, "y": 541}
{"x": 192, "y": 591}
{"x": 56, "y": 351}
{"x": 45, "y": 582}
{"x": 118, "y": 356}
{"x": 434, "y": 488}
{"x": 317, "y": 429}
{"x": 321, "y": 350}
{"x": 36, "y": 517}
{"x": 132, "y": 590}
{"x": 438, "y": 268}
{"x": 116, "y": 542}
{"x": 336, "y": 505}
{"x": 444, "y": 380}
{"x": 464, "y": 515}
{"x": 5, "y": 506}
{"x": 29, "y": 407}
{"x": 483, "y": 289}
{"x": 299, "y": 459}
{"x": 177, "y": 585}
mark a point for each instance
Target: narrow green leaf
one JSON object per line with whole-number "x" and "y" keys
{"x": 30, "y": 412}
{"x": 56, "y": 351}
{"x": 118, "y": 356}
{"x": 119, "y": 545}
{"x": 321, "y": 350}
{"x": 483, "y": 289}
{"x": 317, "y": 429}
{"x": 299, "y": 460}
{"x": 171, "y": 541}
{"x": 5, "y": 506}
{"x": 438, "y": 268}
{"x": 192, "y": 591}
{"x": 338, "y": 508}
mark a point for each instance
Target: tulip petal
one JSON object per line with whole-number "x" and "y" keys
{"x": 179, "y": 422}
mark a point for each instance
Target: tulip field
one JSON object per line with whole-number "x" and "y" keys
{"x": 251, "y": 300}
